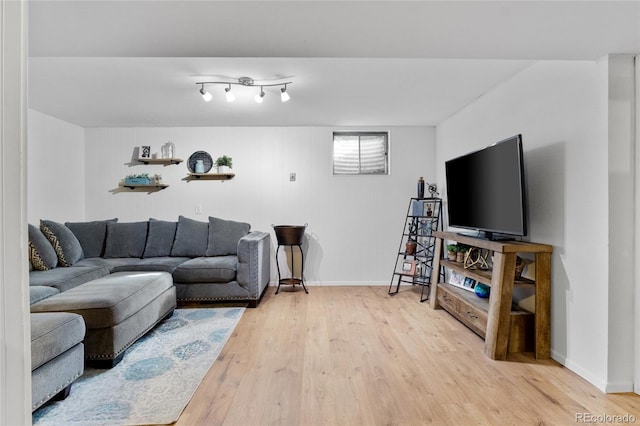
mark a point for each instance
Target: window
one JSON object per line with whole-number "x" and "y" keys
{"x": 360, "y": 153}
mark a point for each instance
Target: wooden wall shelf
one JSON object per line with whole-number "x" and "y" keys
{"x": 150, "y": 186}
{"x": 495, "y": 319}
{"x": 163, "y": 161}
{"x": 209, "y": 176}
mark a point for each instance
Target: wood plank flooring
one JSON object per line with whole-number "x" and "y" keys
{"x": 356, "y": 356}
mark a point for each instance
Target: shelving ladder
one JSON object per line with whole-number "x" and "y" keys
{"x": 422, "y": 220}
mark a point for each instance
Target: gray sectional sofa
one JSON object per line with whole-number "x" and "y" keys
{"x": 123, "y": 278}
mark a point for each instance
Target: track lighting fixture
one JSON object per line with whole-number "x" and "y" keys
{"x": 284, "y": 96}
{"x": 205, "y": 95}
{"x": 247, "y": 82}
{"x": 230, "y": 96}
{"x": 260, "y": 96}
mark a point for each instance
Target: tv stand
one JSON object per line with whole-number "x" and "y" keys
{"x": 502, "y": 328}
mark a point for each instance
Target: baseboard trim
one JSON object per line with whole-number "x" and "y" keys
{"x": 338, "y": 283}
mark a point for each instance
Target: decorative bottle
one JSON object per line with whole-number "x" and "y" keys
{"x": 421, "y": 187}
{"x": 199, "y": 166}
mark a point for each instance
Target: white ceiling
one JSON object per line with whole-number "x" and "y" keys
{"x": 353, "y": 63}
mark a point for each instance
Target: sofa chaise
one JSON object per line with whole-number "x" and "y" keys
{"x": 124, "y": 278}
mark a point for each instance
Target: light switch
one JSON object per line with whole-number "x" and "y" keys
{"x": 292, "y": 177}
{"x": 198, "y": 208}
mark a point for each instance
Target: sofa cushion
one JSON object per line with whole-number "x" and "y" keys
{"x": 224, "y": 236}
{"x": 152, "y": 264}
{"x": 192, "y": 237}
{"x": 40, "y": 292}
{"x": 160, "y": 238}
{"x": 125, "y": 239}
{"x": 219, "y": 269}
{"x": 110, "y": 300}
{"x": 66, "y": 278}
{"x": 92, "y": 235}
{"x": 65, "y": 244}
{"x": 53, "y": 333}
{"x": 41, "y": 254}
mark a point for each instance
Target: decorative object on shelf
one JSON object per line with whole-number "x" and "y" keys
{"x": 199, "y": 166}
{"x": 421, "y": 187}
{"x": 433, "y": 190}
{"x": 246, "y": 82}
{"x": 520, "y": 264}
{"x": 476, "y": 258}
{"x": 207, "y": 161}
{"x": 157, "y": 179}
{"x": 224, "y": 163}
{"x": 452, "y": 249}
{"x": 139, "y": 179}
{"x": 409, "y": 267}
{"x": 429, "y": 211}
{"x": 144, "y": 151}
{"x": 410, "y": 246}
{"x": 482, "y": 290}
{"x": 461, "y": 251}
{"x": 168, "y": 150}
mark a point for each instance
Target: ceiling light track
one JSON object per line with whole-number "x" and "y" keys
{"x": 246, "y": 82}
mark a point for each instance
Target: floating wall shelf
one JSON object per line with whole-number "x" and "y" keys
{"x": 164, "y": 161}
{"x": 209, "y": 176}
{"x": 150, "y": 186}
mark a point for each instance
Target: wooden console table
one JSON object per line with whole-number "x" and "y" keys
{"x": 493, "y": 318}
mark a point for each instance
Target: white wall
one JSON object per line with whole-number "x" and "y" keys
{"x": 622, "y": 121}
{"x": 561, "y": 110}
{"x": 355, "y": 222}
{"x": 15, "y": 348}
{"x": 56, "y": 169}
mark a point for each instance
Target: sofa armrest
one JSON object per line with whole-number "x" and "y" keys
{"x": 254, "y": 262}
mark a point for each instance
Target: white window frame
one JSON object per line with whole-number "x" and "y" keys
{"x": 359, "y": 134}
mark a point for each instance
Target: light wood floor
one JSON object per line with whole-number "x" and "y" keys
{"x": 356, "y": 356}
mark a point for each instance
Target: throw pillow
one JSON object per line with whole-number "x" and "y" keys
{"x": 191, "y": 238}
{"x": 224, "y": 236}
{"x": 41, "y": 254}
{"x": 91, "y": 235}
{"x": 65, "y": 244}
{"x": 125, "y": 239}
{"x": 160, "y": 238}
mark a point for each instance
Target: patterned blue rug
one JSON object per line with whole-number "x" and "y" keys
{"x": 156, "y": 378}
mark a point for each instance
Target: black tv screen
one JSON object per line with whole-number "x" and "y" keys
{"x": 486, "y": 190}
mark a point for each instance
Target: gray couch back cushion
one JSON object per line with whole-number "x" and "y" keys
{"x": 91, "y": 235}
{"x": 160, "y": 238}
{"x": 41, "y": 253}
{"x": 192, "y": 237}
{"x": 125, "y": 239}
{"x": 224, "y": 236}
{"x": 65, "y": 244}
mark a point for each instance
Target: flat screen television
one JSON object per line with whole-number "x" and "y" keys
{"x": 486, "y": 190}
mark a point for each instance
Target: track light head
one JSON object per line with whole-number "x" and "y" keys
{"x": 205, "y": 95}
{"x": 230, "y": 96}
{"x": 260, "y": 96}
{"x": 284, "y": 96}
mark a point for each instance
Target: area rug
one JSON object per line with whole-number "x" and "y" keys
{"x": 156, "y": 378}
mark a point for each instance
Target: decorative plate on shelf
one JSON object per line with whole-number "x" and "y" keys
{"x": 200, "y": 155}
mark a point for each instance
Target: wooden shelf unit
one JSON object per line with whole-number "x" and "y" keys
{"x": 164, "y": 161}
{"x": 494, "y": 319}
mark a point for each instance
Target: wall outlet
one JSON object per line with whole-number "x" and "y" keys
{"x": 292, "y": 177}
{"x": 198, "y": 208}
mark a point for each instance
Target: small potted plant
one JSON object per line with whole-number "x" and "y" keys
{"x": 224, "y": 163}
{"x": 137, "y": 179}
{"x": 460, "y": 252}
{"x": 452, "y": 249}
